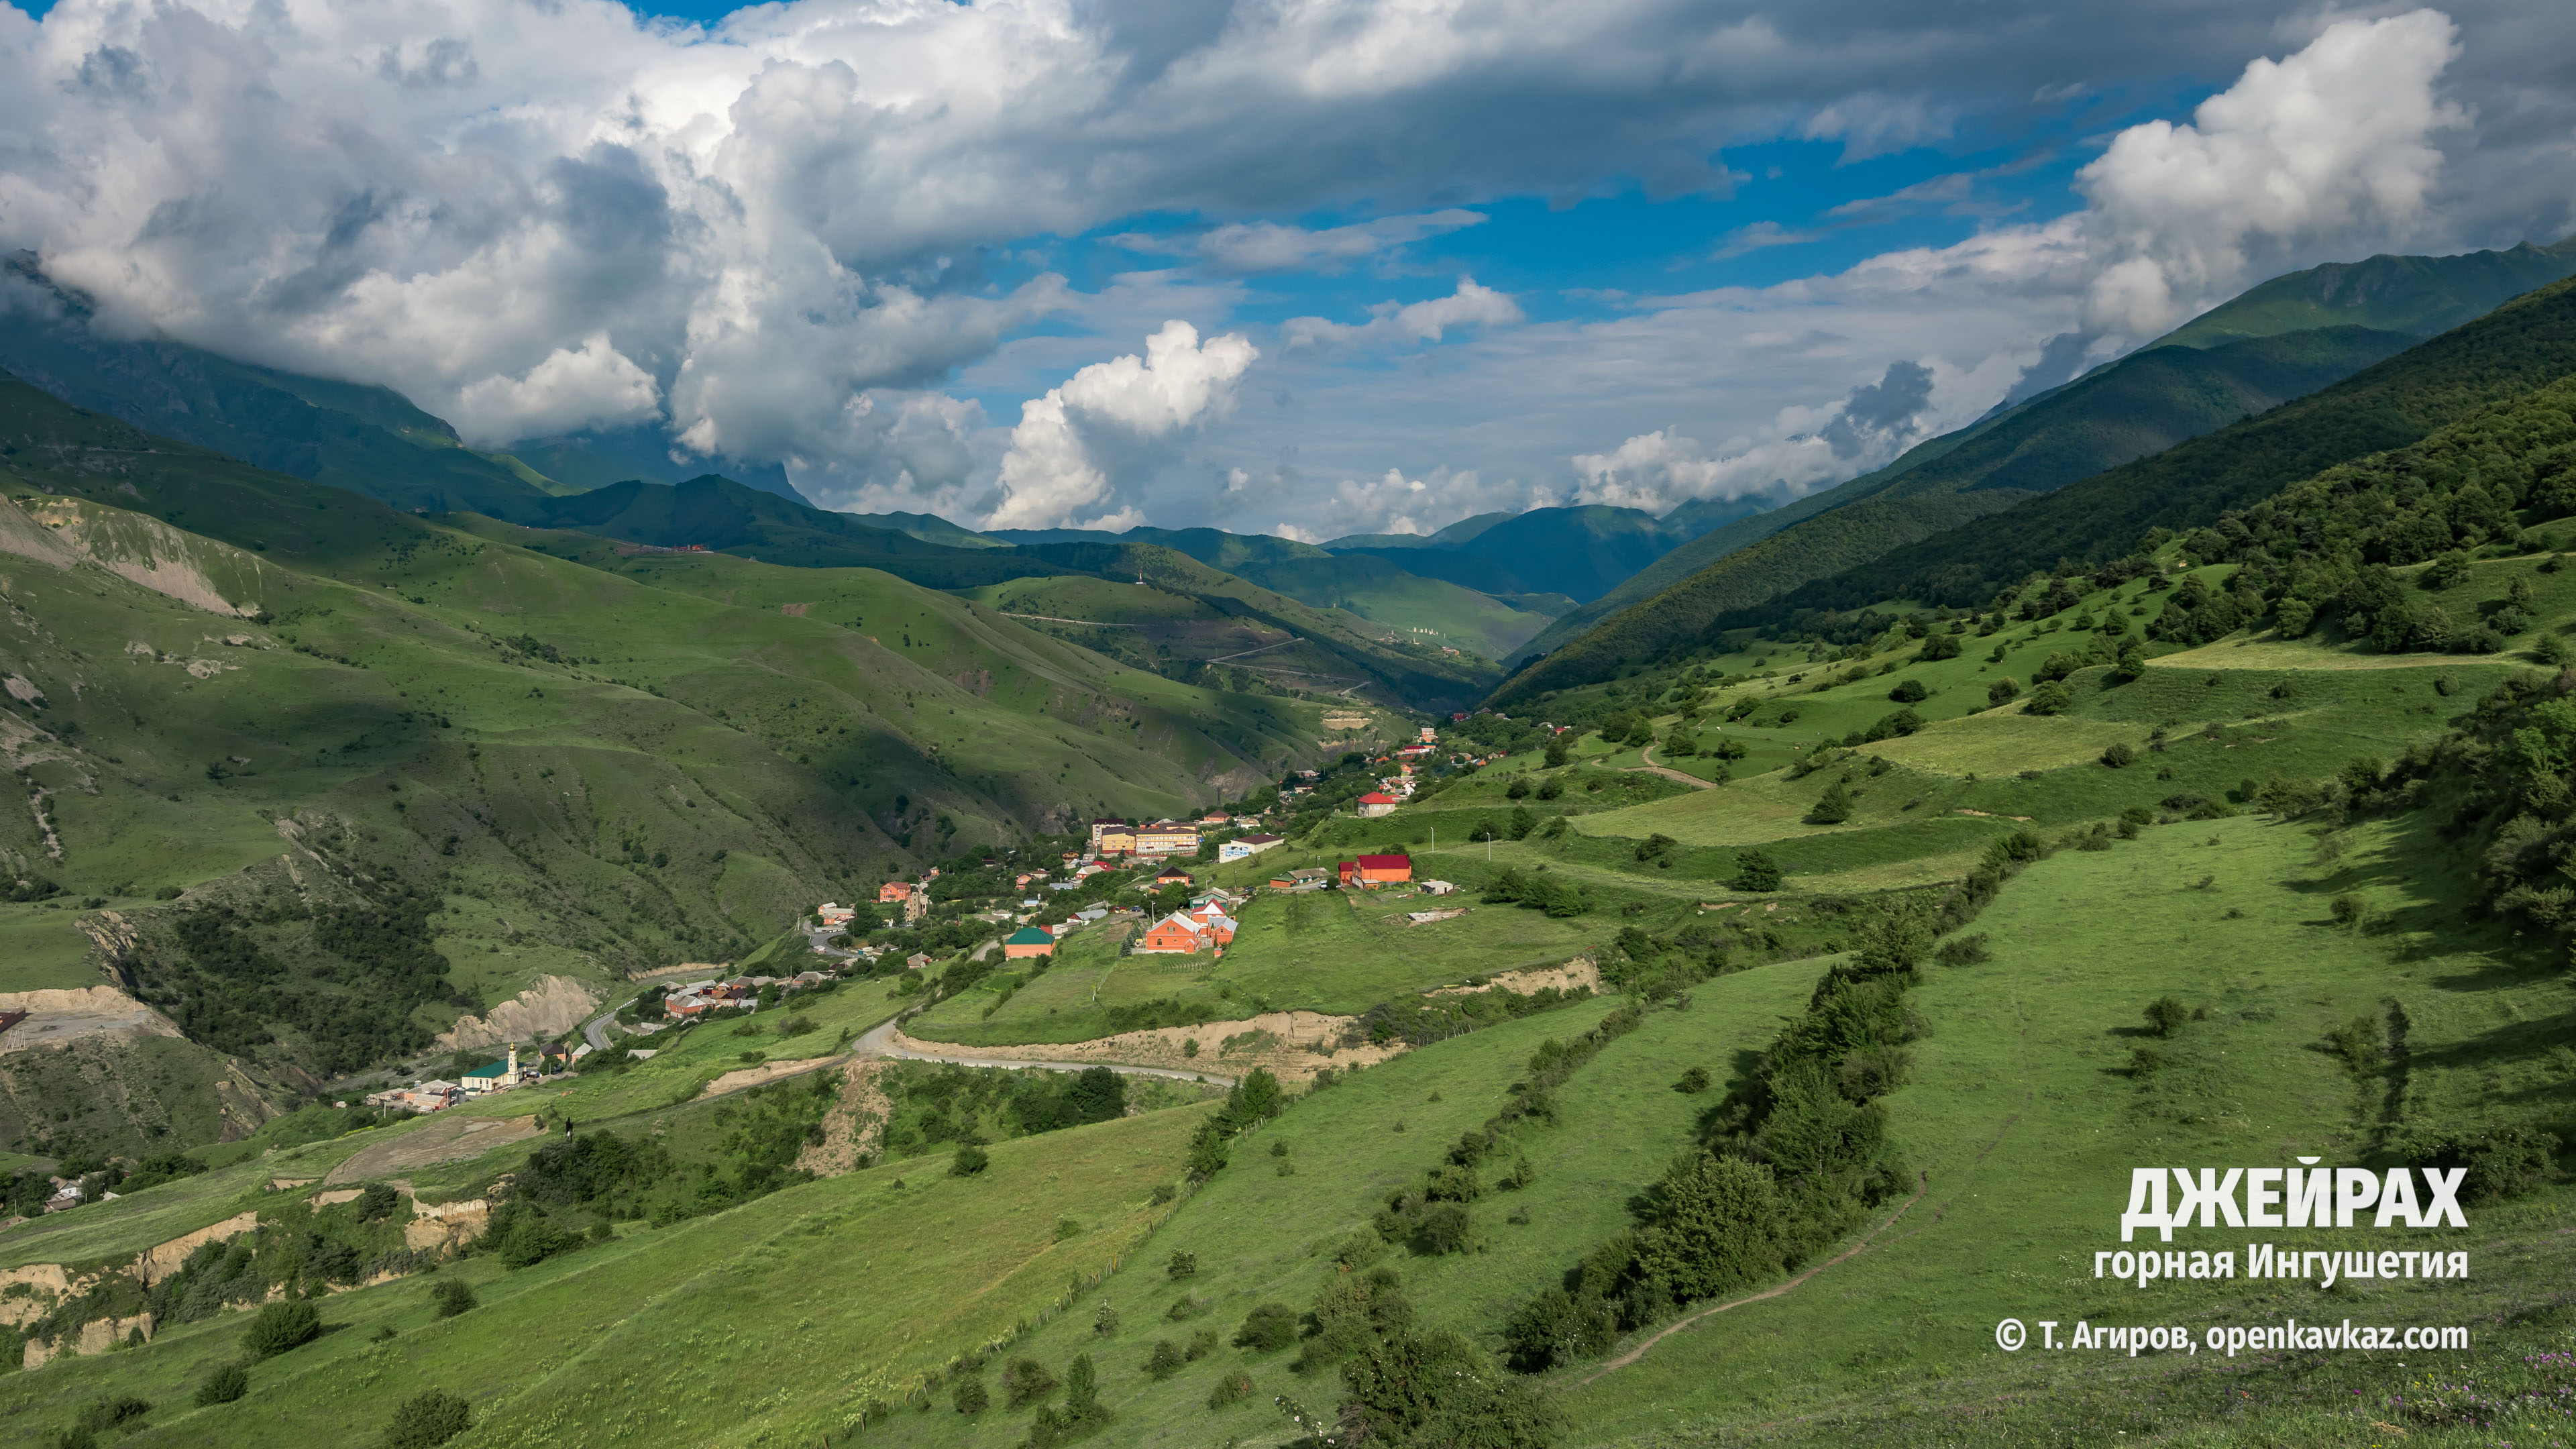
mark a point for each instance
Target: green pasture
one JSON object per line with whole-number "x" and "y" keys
{"x": 2025, "y": 1114}
{"x": 1620, "y": 1122}
{"x": 770, "y": 1323}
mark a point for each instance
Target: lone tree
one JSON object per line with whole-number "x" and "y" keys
{"x": 970, "y": 1159}
{"x": 2165, "y": 1015}
{"x": 1832, "y": 807}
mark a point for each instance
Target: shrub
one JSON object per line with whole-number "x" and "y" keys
{"x": 1756, "y": 871}
{"x": 1229, "y": 1389}
{"x": 2165, "y": 1015}
{"x": 1964, "y": 951}
{"x": 378, "y": 1202}
{"x": 1180, "y": 1265}
{"x": 2119, "y": 756}
{"x": 1831, "y": 808}
{"x": 453, "y": 1296}
{"x": 2145, "y": 1061}
{"x": 1268, "y": 1328}
{"x": 1446, "y": 1228}
{"x": 427, "y": 1420}
{"x": 2502, "y": 1162}
{"x": 2356, "y": 1044}
{"x": 1166, "y": 1360}
{"x": 227, "y": 1383}
{"x": 1693, "y": 1082}
{"x": 970, "y": 1396}
{"x": 1024, "y": 1382}
{"x": 2049, "y": 698}
{"x": 1202, "y": 1343}
{"x": 289, "y": 1323}
{"x": 970, "y": 1159}
{"x": 1910, "y": 691}
{"x": 2002, "y": 692}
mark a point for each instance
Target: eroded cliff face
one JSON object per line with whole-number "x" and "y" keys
{"x": 555, "y": 1005}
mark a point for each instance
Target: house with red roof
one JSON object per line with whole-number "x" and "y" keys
{"x": 1375, "y": 803}
{"x": 1377, "y": 870}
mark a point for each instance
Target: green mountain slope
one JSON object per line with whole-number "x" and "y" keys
{"x": 2138, "y": 406}
{"x": 2416, "y": 295}
{"x": 2521, "y": 345}
{"x": 525, "y": 754}
{"x": 2126, "y": 409}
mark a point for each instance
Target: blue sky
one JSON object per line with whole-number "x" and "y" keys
{"x": 1292, "y": 267}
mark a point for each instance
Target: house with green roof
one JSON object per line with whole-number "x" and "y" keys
{"x": 1029, "y": 941}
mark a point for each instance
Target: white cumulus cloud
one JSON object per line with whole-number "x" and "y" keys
{"x": 1068, "y": 442}
{"x": 2337, "y": 136}
{"x": 570, "y": 389}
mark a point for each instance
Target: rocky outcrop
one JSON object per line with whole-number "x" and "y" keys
{"x": 555, "y": 1005}
{"x": 155, "y": 1264}
{"x": 96, "y": 1336}
{"x": 446, "y": 1224}
{"x": 29, "y": 1293}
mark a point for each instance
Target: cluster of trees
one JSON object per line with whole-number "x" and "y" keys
{"x": 937, "y": 1103}
{"x": 345, "y": 980}
{"x": 1538, "y": 890}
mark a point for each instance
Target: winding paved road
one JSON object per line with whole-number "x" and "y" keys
{"x": 880, "y": 1043}
{"x": 595, "y": 1030}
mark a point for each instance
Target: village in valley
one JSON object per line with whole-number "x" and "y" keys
{"x": 1163, "y": 887}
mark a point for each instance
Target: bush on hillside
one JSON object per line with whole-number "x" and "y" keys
{"x": 1438, "y": 1388}
{"x": 2119, "y": 756}
{"x": 227, "y": 1383}
{"x": 1756, "y": 871}
{"x": 2002, "y": 692}
{"x": 2165, "y": 1015}
{"x": 1024, "y": 1382}
{"x": 970, "y": 1396}
{"x": 2503, "y": 1162}
{"x": 1831, "y": 808}
{"x": 428, "y": 1420}
{"x": 2050, "y": 698}
{"x": 1964, "y": 951}
{"x": 289, "y": 1323}
{"x": 453, "y": 1295}
{"x": 1268, "y": 1328}
{"x": 1910, "y": 691}
{"x": 970, "y": 1159}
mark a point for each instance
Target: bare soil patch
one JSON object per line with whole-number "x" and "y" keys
{"x": 1282, "y": 1041}
{"x": 445, "y": 1139}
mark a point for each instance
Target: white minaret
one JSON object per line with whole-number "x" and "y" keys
{"x": 514, "y": 1061}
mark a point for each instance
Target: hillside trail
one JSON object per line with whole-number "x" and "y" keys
{"x": 1775, "y": 1291}
{"x": 1649, "y": 766}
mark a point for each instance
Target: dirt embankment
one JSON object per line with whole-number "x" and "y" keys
{"x": 766, "y": 1072}
{"x": 154, "y": 1264}
{"x": 853, "y": 1126}
{"x": 1581, "y": 971}
{"x": 1283, "y": 1041}
{"x": 555, "y": 1005}
{"x": 60, "y": 1016}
